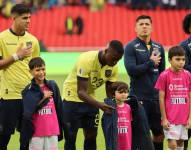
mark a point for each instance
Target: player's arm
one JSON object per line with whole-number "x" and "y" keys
{"x": 108, "y": 89}
{"x": 162, "y": 61}
{"x": 165, "y": 122}
{"x": 82, "y": 88}
{"x": 187, "y": 65}
{"x": 20, "y": 53}
{"x": 130, "y": 62}
{"x": 112, "y": 79}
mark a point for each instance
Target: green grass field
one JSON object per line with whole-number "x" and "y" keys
{"x": 58, "y": 65}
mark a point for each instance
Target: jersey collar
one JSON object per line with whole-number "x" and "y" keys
{"x": 15, "y": 33}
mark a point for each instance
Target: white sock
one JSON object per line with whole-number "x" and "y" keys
{"x": 169, "y": 148}
{"x": 180, "y": 148}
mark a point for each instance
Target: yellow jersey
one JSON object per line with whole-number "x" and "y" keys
{"x": 16, "y": 76}
{"x": 89, "y": 67}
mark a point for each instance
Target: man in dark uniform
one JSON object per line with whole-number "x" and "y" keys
{"x": 144, "y": 60}
{"x": 186, "y": 44}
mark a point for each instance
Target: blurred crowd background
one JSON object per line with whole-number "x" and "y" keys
{"x": 94, "y": 5}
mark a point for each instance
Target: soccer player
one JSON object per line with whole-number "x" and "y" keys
{"x": 186, "y": 44}
{"x": 174, "y": 85}
{"x": 17, "y": 47}
{"x": 144, "y": 60}
{"x": 80, "y": 108}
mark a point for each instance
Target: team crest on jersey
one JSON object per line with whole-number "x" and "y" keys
{"x": 29, "y": 44}
{"x": 108, "y": 73}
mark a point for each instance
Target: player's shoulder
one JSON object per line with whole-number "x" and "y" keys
{"x": 29, "y": 35}
{"x": 132, "y": 43}
{"x": 4, "y": 33}
{"x": 186, "y": 42}
{"x": 89, "y": 56}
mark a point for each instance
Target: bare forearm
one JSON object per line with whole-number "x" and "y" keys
{"x": 6, "y": 62}
{"x": 88, "y": 99}
{"x": 162, "y": 109}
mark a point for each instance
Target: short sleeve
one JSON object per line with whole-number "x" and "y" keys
{"x": 1, "y": 50}
{"x": 83, "y": 67}
{"x": 160, "y": 84}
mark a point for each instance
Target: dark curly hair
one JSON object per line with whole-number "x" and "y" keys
{"x": 118, "y": 86}
{"x": 187, "y": 23}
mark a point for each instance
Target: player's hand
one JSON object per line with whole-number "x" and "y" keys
{"x": 106, "y": 108}
{"x": 155, "y": 58}
{"x": 165, "y": 124}
{"x": 188, "y": 124}
{"x": 23, "y": 52}
{"x": 47, "y": 94}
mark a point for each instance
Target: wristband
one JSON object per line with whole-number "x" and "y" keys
{"x": 15, "y": 57}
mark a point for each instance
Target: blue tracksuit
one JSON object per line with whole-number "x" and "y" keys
{"x": 186, "y": 44}
{"x": 141, "y": 138}
{"x": 142, "y": 71}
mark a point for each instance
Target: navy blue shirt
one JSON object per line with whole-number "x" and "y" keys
{"x": 186, "y": 44}
{"x": 141, "y": 69}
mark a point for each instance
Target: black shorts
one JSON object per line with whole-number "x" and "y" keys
{"x": 10, "y": 115}
{"x": 152, "y": 110}
{"x": 80, "y": 115}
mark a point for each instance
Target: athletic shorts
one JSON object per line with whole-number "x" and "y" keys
{"x": 152, "y": 110}
{"x": 80, "y": 115}
{"x": 176, "y": 132}
{"x": 10, "y": 115}
{"x": 47, "y": 143}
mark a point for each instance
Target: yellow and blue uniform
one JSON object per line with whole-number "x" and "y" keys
{"x": 16, "y": 76}
{"x": 89, "y": 67}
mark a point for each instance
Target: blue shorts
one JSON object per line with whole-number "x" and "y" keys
{"x": 10, "y": 115}
{"x": 80, "y": 115}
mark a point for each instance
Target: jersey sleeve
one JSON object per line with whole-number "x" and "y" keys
{"x": 1, "y": 50}
{"x": 83, "y": 67}
{"x": 36, "y": 49}
{"x": 114, "y": 75}
{"x": 161, "y": 82}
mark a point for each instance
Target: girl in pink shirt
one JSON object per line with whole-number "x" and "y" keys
{"x": 124, "y": 136}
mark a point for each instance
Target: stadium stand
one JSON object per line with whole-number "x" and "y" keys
{"x": 113, "y": 22}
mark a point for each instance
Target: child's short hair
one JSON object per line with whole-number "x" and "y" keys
{"x": 36, "y": 62}
{"x": 118, "y": 86}
{"x": 176, "y": 51}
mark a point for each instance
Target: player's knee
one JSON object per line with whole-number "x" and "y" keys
{"x": 158, "y": 138}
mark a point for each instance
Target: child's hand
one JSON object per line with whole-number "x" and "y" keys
{"x": 47, "y": 94}
{"x": 165, "y": 124}
{"x": 188, "y": 124}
